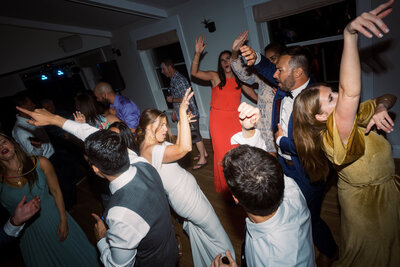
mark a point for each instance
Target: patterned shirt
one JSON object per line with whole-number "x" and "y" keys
{"x": 264, "y": 103}
{"x": 178, "y": 85}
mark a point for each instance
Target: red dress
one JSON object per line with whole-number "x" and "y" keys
{"x": 223, "y": 123}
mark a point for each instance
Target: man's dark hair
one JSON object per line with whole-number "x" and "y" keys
{"x": 20, "y": 98}
{"x": 168, "y": 62}
{"x": 300, "y": 58}
{"x": 255, "y": 178}
{"x": 277, "y": 47}
{"x": 107, "y": 151}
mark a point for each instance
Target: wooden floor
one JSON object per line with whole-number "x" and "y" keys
{"x": 231, "y": 216}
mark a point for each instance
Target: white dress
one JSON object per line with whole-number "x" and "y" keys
{"x": 206, "y": 234}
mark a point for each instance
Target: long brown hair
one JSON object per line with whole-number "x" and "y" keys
{"x": 308, "y": 133}
{"x": 27, "y": 164}
{"x": 221, "y": 72}
{"x": 148, "y": 117}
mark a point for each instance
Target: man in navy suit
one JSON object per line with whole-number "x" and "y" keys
{"x": 292, "y": 75}
{"x": 23, "y": 212}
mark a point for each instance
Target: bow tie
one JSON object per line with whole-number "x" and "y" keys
{"x": 289, "y": 94}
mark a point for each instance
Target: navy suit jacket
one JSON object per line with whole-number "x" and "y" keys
{"x": 286, "y": 144}
{"x": 4, "y": 238}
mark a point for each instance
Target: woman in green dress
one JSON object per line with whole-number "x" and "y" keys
{"x": 335, "y": 125}
{"x": 51, "y": 237}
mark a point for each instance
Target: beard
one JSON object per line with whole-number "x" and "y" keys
{"x": 288, "y": 84}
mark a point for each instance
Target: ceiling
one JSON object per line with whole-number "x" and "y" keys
{"x": 96, "y": 17}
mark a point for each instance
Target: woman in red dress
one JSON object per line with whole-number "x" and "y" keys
{"x": 225, "y": 99}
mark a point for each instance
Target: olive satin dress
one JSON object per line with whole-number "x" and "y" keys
{"x": 224, "y": 123}
{"x": 368, "y": 191}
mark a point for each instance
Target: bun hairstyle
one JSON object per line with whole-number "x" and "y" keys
{"x": 148, "y": 116}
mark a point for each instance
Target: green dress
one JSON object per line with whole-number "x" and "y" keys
{"x": 39, "y": 242}
{"x": 369, "y": 193}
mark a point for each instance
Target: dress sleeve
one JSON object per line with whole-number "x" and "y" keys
{"x": 339, "y": 153}
{"x": 157, "y": 156}
{"x": 365, "y": 112}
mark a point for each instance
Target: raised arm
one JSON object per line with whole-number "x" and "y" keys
{"x": 184, "y": 142}
{"x": 350, "y": 69}
{"x": 210, "y": 76}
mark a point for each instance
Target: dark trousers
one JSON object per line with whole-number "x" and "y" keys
{"x": 314, "y": 195}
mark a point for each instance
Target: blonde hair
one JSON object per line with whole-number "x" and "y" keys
{"x": 308, "y": 133}
{"x": 28, "y": 166}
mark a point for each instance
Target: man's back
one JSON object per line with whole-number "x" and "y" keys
{"x": 146, "y": 207}
{"x": 285, "y": 239}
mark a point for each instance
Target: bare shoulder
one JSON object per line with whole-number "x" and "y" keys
{"x": 44, "y": 163}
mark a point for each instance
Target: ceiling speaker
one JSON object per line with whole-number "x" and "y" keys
{"x": 70, "y": 43}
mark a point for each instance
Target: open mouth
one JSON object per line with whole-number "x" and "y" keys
{"x": 5, "y": 151}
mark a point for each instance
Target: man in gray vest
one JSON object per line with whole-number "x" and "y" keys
{"x": 139, "y": 223}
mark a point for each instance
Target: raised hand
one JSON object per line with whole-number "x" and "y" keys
{"x": 200, "y": 45}
{"x": 24, "y": 211}
{"x": 249, "y": 54}
{"x": 239, "y": 41}
{"x": 41, "y": 117}
{"x": 371, "y": 22}
{"x": 186, "y": 101}
{"x": 248, "y": 115}
{"x": 79, "y": 117}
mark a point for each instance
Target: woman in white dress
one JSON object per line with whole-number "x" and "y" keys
{"x": 206, "y": 234}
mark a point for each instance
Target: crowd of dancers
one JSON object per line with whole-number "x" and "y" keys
{"x": 273, "y": 160}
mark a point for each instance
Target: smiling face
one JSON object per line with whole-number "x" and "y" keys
{"x": 7, "y": 150}
{"x": 327, "y": 102}
{"x": 284, "y": 74}
{"x": 161, "y": 131}
{"x": 158, "y": 130}
{"x": 225, "y": 61}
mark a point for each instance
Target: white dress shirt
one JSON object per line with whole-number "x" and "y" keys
{"x": 285, "y": 239}
{"x": 285, "y": 113}
{"x": 126, "y": 229}
{"x": 21, "y": 133}
{"x": 12, "y": 230}
{"x": 256, "y": 140}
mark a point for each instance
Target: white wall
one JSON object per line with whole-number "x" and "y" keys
{"x": 385, "y": 79}
{"x": 230, "y": 20}
{"x": 22, "y": 48}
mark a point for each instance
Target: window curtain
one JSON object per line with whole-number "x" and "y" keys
{"x": 275, "y": 9}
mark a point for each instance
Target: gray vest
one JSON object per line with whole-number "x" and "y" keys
{"x": 145, "y": 195}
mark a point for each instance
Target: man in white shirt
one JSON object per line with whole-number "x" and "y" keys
{"x": 140, "y": 231}
{"x": 278, "y": 227}
{"x": 292, "y": 75}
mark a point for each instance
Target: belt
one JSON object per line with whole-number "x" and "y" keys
{"x": 288, "y": 162}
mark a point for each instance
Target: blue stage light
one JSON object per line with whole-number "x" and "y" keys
{"x": 60, "y": 72}
{"x": 44, "y": 77}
